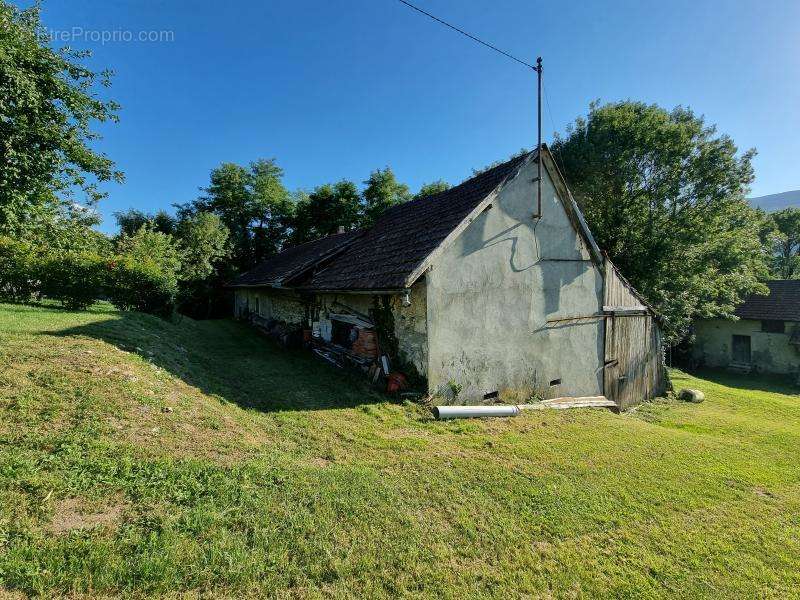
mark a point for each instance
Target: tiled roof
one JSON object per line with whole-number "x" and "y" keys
{"x": 782, "y": 304}
{"x": 388, "y": 252}
{"x": 294, "y": 261}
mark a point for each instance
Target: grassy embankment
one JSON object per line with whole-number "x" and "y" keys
{"x": 141, "y": 457}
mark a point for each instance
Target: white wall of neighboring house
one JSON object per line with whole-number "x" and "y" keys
{"x": 770, "y": 352}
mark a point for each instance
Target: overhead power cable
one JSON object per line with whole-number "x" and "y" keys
{"x": 469, "y": 35}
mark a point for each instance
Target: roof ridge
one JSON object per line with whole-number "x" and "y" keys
{"x": 469, "y": 181}
{"x": 319, "y": 239}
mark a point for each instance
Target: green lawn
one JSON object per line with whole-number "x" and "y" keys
{"x": 141, "y": 457}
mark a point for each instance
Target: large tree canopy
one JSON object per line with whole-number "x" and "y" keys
{"x": 431, "y": 189}
{"x": 325, "y": 210}
{"x": 131, "y": 220}
{"x": 382, "y": 191}
{"x": 48, "y": 103}
{"x": 786, "y": 243}
{"x": 254, "y": 206}
{"x": 665, "y": 196}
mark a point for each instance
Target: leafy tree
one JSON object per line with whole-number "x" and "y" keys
{"x": 228, "y": 196}
{"x": 146, "y": 245}
{"x": 429, "y": 189}
{"x": 131, "y": 220}
{"x": 382, "y": 191}
{"x": 144, "y": 274}
{"x": 133, "y": 284}
{"x": 69, "y": 231}
{"x": 665, "y": 196}
{"x": 253, "y": 204}
{"x": 164, "y": 222}
{"x": 203, "y": 242}
{"x": 786, "y": 244}
{"x": 48, "y": 104}
{"x": 272, "y": 208}
{"x": 327, "y": 208}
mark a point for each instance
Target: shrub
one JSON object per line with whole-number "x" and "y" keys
{"x": 18, "y": 278}
{"x": 74, "y": 279}
{"x": 146, "y": 279}
{"x": 141, "y": 285}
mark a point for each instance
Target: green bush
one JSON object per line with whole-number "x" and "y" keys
{"x": 77, "y": 279}
{"x": 141, "y": 285}
{"x": 18, "y": 273}
{"x": 74, "y": 279}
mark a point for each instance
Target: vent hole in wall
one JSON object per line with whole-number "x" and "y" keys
{"x": 490, "y": 396}
{"x": 555, "y": 382}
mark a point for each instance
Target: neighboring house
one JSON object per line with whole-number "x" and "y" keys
{"x": 766, "y": 338}
{"x": 478, "y": 294}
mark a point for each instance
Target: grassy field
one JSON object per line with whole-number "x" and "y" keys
{"x": 141, "y": 457}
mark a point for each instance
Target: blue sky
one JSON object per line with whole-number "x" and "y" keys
{"x": 336, "y": 89}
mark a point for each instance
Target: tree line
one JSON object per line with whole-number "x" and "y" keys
{"x": 663, "y": 192}
{"x": 244, "y": 216}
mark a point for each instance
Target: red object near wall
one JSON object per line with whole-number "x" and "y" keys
{"x": 396, "y": 382}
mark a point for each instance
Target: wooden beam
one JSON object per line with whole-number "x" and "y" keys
{"x": 622, "y": 311}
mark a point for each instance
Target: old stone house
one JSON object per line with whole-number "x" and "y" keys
{"x": 478, "y": 293}
{"x": 765, "y": 338}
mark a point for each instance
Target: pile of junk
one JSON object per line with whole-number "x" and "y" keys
{"x": 346, "y": 339}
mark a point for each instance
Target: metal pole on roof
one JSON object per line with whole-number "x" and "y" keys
{"x": 538, "y": 70}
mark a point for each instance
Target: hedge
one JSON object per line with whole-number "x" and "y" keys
{"x": 143, "y": 286}
{"x": 18, "y": 278}
{"x": 78, "y": 279}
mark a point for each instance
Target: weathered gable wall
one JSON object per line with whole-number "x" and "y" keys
{"x": 492, "y": 293}
{"x": 770, "y": 352}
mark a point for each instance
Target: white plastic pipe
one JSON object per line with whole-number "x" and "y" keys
{"x": 470, "y": 412}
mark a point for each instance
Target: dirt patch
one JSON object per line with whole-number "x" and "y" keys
{"x": 75, "y": 514}
{"x": 763, "y": 492}
{"x": 180, "y": 422}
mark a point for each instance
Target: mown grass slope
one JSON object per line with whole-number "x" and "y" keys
{"x": 142, "y": 457}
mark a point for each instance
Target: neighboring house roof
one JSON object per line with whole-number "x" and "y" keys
{"x": 294, "y": 261}
{"x": 782, "y": 304}
{"x": 395, "y": 251}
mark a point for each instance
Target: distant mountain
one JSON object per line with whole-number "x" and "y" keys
{"x": 777, "y": 201}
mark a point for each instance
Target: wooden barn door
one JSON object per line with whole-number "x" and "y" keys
{"x": 630, "y": 354}
{"x": 633, "y": 366}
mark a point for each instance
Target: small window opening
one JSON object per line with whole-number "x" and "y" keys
{"x": 555, "y": 382}
{"x": 491, "y": 396}
{"x": 773, "y": 326}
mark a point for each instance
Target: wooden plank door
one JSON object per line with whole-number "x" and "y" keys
{"x": 741, "y": 349}
{"x": 631, "y": 359}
